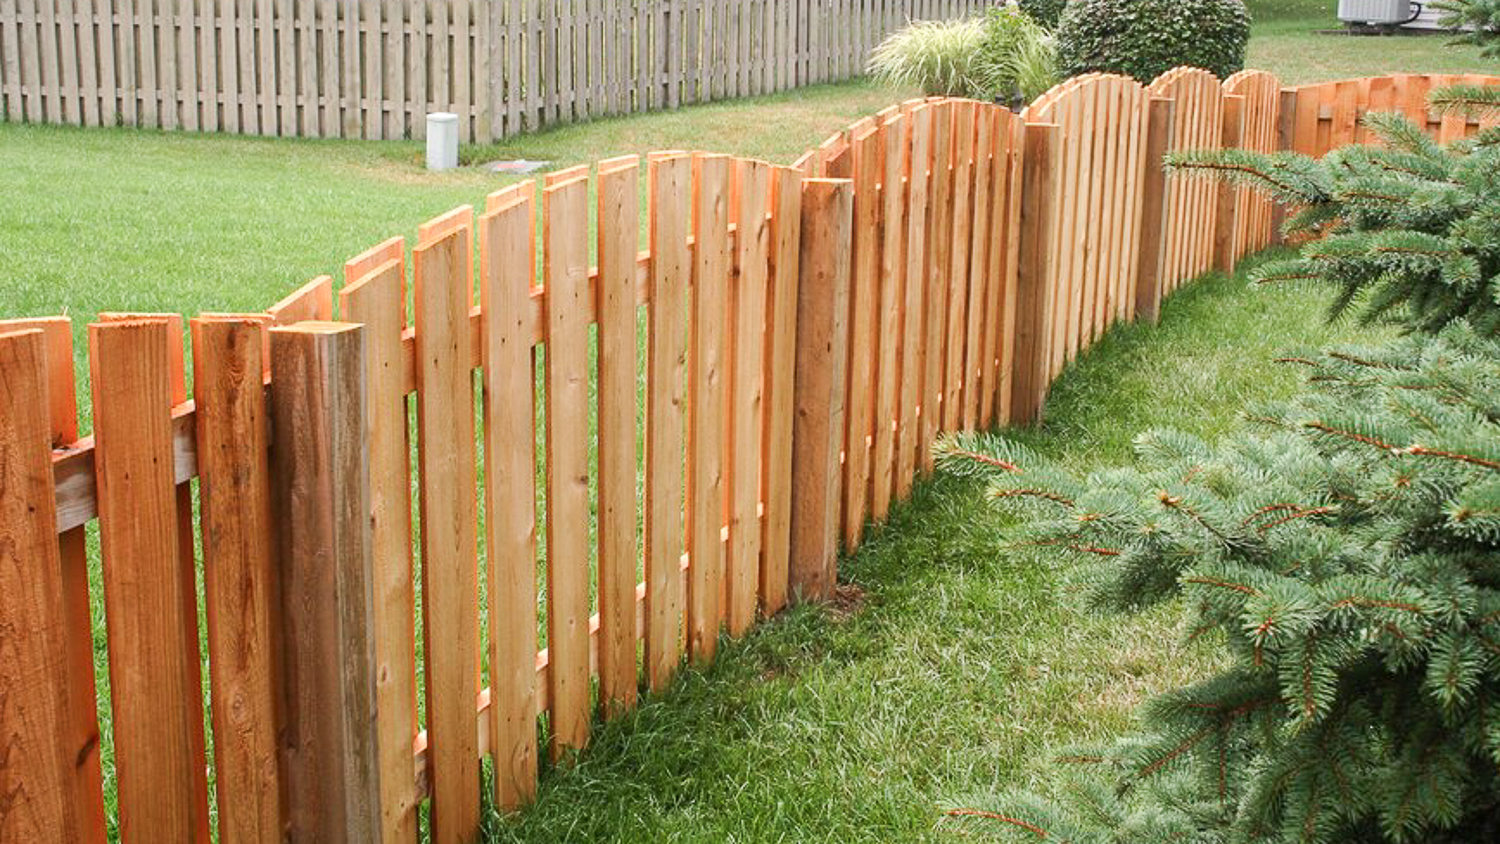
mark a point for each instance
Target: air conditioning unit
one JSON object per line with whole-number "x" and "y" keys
{"x": 1375, "y": 12}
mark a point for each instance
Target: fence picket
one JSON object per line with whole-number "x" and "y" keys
{"x": 1093, "y": 133}
{"x": 508, "y": 260}
{"x": 10, "y": 70}
{"x": 1105, "y": 219}
{"x": 33, "y": 666}
{"x": 619, "y": 227}
{"x": 938, "y": 249}
{"x": 1009, "y": 226}
{"x": 565, "y": 221}
{"x": 781, "y": 359}
{"x": 419, "y": 95}
{"x": 746, "y": 390}
{"x": 178, "y": 395}
{"x": 69, "y": 44}
{"x": 670, "y": 205}
{"x": 312, "y": 301}
{"x": 1129, "y": 204}
{"x": 1064, "y": 234}
{"x": 239, "y": 570}
{"x": 709, "y": 327}
{"x": 859, "y": 405}
{"x": 969, "y": 383}
{"x": 915, "y": 157}
{"x": 893, "y": 142}
{"x": 213, "y": 49}
{"x": 50, "y": 84}
{"x": 960, "y": 222}
{"x": 366, "y": 31}
{"x": 461, "y": 88}
{"x": 285, "y": 93}
{"x": 511, "y": 65}
{"x": 148, "y": 587}
{"x": 250, "y": 116}
{"x": 309, "y": 122}
{"x": 450, "y": 574}
{"x": 30, "y": 66}
{"x": 375, "y": 294}
{"x": 186, "y": 62}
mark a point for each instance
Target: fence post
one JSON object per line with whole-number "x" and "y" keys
{"x": 1226, "y": 249}
{"x": 322, "y": 492}
{"x": 1148, "y": 293}
{"x": 1034, "y": 289}
{"x": 822, "y": 354}
{"x": 1286, "y": 132}
{"x": 33, "y": 664}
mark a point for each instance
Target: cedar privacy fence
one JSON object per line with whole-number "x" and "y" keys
{"x": 809, "y": 331}
{"x": 374, "y": 68}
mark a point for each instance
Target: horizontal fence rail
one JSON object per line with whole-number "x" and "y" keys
{"x": 666, "y": 445}
{"x": 374, "y": 68}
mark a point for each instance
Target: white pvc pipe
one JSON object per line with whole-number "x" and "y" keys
{"x": 442, "y": 140}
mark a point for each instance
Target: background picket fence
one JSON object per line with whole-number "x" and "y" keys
{"x": 375, "y": 68}
{"x": 809, "y": 331}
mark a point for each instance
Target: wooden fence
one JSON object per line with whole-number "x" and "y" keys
{"x": 375, "y": 68}
{"x": 1325, "y": 116}
{"x": 809, "y": 331}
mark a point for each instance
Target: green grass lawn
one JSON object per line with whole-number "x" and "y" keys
{"x": 1298, "y": 56}
{"x": 113, "y": 219}
{"x": 1284, "y": 41}
{"x": 950, "y": 667}
{"x": 154, "y": 221}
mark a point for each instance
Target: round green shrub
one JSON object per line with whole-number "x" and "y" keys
{"x": 1044, "y": 12}
{"x": 1144, "y": 38}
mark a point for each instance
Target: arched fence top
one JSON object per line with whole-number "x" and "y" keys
{"x": 1259, "y": 129}
{"x": 1171, "y": 83}
{"x": 1047, "y": 108}
{"x": 1180, "y": 79}
{"x": 1247, "y": 79}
